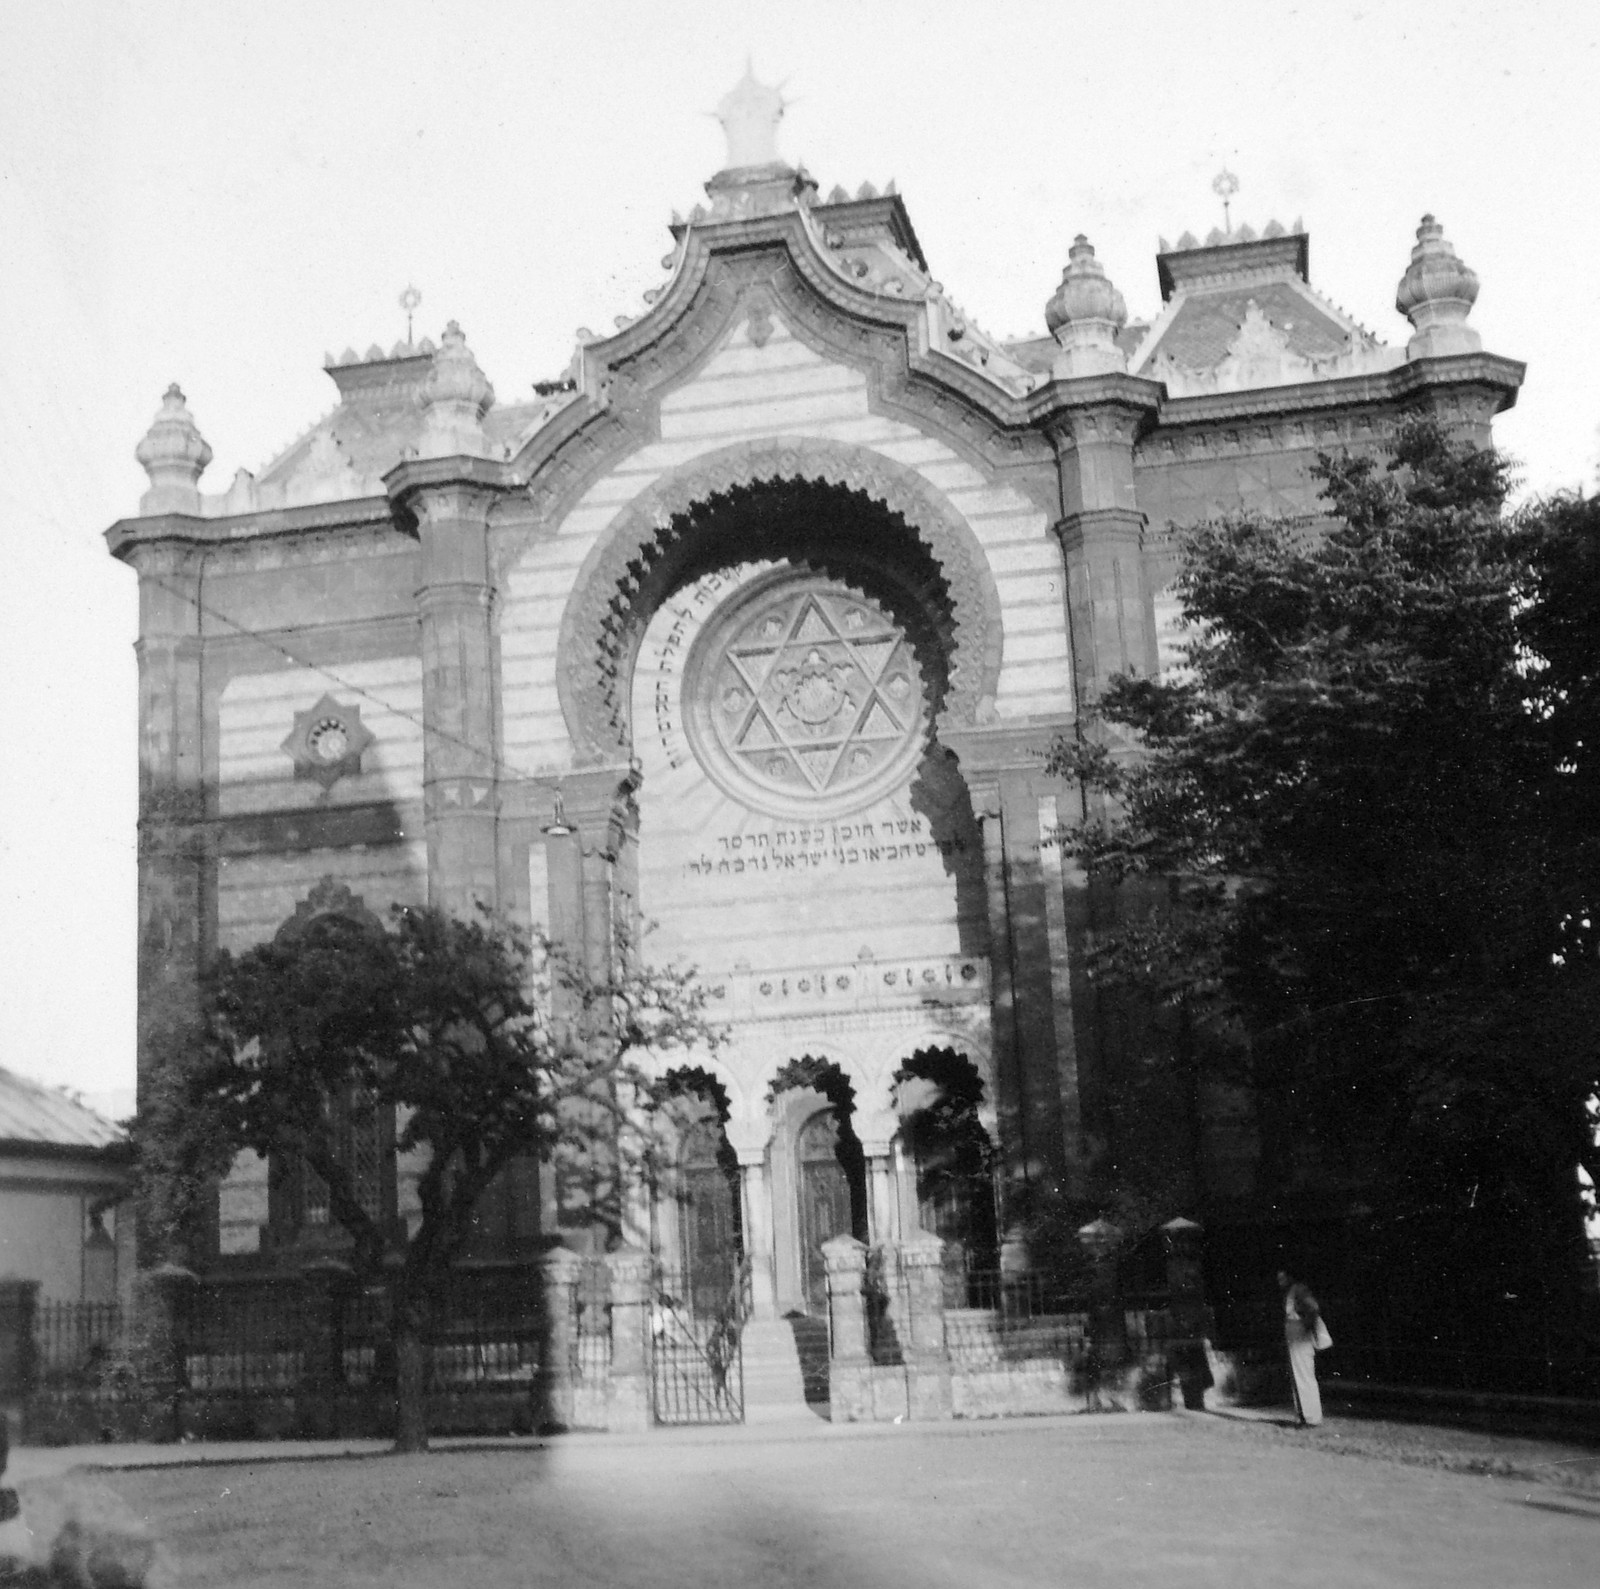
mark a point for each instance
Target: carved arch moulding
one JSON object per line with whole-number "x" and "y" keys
{"x": 603, "y": 620}
{"x": 768, "y": 271}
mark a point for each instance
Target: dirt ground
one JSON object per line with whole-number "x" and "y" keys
{"x": 1115, "y": 1501}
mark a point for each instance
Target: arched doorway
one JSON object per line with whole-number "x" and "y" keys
{"x": 697, "y": 1220}
{"x": 820, "y": 1172}
{"x": 939, "y": 1094}
{"x": 832, "y": 1196}
{"x": 711, "y": 1236}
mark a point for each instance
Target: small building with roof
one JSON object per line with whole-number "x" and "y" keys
{"x": 64, "y": 1178}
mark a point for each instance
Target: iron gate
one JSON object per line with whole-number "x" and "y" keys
{"x": 697, "y": 1351}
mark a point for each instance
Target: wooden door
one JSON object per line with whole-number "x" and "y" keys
{"x": 710, "y": 1219}
{"x": 825, "y": 1203}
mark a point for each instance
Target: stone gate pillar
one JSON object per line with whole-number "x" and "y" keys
{"x": 326, "y": 1284}
{"x": 19, "y": 1302}
{"x": 850, "y": 1359}
{"x": 1187, "y": 1364}
{"x": 561, "y": 1270}
{"x": 161, "y": 1300}
{"x": 928, "y": 1392}
{"x": 628, "y": 1403}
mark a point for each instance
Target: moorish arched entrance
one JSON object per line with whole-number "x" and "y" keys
{"x": 802, "y": 835}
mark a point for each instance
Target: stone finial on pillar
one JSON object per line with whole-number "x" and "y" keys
{"x": 1084, "y": 316}
{"x": 174, "y": 454}
{"x": 456, "y": 395}
{"x": 1436, "y": 295}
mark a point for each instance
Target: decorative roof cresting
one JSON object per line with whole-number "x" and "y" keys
{"x": 174, "y": 454}
{"x": 1436, "y": 295}
{"x": 456, "y": 395}
{"x": 1084, "y": 315}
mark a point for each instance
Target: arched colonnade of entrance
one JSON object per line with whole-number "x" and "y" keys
{"x": 813, "y": 1150}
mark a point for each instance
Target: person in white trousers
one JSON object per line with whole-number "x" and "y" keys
{"x": 1306, "y": 1335}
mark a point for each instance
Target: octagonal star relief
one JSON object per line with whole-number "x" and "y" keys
{"x": 327, "y": 742}
{"x": 808, "y": 694}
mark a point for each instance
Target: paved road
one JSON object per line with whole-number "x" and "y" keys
{"x": 1119, "y": 1502}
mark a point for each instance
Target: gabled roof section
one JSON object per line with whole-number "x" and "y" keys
{"x": 37, "y": 1116}
{"x": 377, "y": 423}
{"x": 1241, "y": 314}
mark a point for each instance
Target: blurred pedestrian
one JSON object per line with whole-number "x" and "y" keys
{"x": 1306, "y": 1334}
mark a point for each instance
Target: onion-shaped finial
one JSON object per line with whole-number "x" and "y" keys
{"x": 1436, "y": 295}
{"x": 456, "y": 395}
{"x": 1084, "y": 314}
{"x": 174, "y": 455}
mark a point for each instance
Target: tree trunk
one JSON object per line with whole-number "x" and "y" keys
{"x": 411, "y": 1387}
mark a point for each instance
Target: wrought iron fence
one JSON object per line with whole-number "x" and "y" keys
{"x": 260, "y": 1337}
{"x": 243, "y": 1339}
{"x": 76, "y": 1343}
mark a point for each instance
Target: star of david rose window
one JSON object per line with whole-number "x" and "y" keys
{"x": 805, "y": 695}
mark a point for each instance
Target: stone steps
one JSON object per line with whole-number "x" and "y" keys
{"x": 774, "y": 1384}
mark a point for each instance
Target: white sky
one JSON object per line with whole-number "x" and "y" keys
{"x": 219, "y": 193}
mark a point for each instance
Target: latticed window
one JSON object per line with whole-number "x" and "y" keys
{"x": 363, "y": 1136}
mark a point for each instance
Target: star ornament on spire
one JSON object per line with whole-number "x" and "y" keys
{"x": 1225, "y": 184}
{"x": 750, "y": 113}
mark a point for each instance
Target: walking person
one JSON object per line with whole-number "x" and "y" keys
{"x": 1306, "y": 1335}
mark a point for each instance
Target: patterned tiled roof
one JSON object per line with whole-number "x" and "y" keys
{"x": 33, "y": 1113}
{"x": 1206, "y": 324}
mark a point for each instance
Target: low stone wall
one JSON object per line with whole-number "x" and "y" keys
{"x": 899, "y": 1352}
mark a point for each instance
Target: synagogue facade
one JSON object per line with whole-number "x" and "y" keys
{"x": 756, "y": 625}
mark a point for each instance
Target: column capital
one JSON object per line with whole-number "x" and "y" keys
{"x": 461, "y": 479}
{"x": 1094, "y": 440}
{"x": 1080, "y": 400}
{"x": 1096, "y": 416}
{"x": 875, "y": 1129}
{"x": 1092, "y": 527}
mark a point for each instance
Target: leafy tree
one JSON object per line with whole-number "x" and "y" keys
{"x": 480, "y": 1056}
{"x": 1377, "y": 774}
